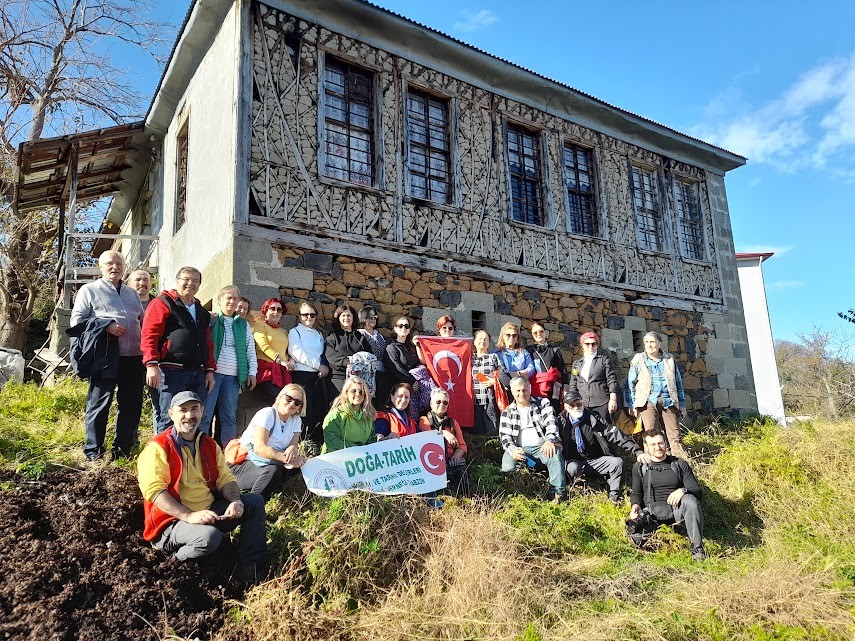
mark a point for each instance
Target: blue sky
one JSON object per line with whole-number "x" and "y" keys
{"x": 774, "y": 82}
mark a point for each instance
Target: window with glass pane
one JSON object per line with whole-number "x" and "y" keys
{"x": 581, "y": 197}
{"x": 645, "y": 201}
{"x": 430, "y": 152}
{"x": 182, "y": 145}
{"x": 524, "y": 169}
{"x": 689, "y": 217}
{"x": 349, "y": 123}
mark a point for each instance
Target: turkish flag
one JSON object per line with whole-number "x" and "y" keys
{"x": 449, "y": 361}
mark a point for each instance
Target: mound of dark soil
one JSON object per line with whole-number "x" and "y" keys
{"x": 74, "y": 565}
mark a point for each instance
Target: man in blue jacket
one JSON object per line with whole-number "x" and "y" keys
{"x": 109, "y": 298}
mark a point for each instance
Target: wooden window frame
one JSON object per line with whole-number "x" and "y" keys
{"x": 529, "y": 188}
{"x": 593, "y": 228}
{"x": 649, "y": 221}
{"x": 428, "y": 148}
{"x": 353, "y": 126}
{"x": 690, "y": 220}
{"x": 182, "y": 172}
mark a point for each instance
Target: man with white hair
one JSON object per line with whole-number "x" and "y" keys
{"x": 529, "y": 434}
{"x": 116, "y": 310}
{"x": 656, "y": 391}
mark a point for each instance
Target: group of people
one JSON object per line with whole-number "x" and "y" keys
{"x": 350, "y": 387}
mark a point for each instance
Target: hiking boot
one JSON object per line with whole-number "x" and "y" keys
{"x": 699, "y": 553}
{"x": 248, "y": 573}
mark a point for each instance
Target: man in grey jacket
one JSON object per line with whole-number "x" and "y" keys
{"x": 109, "y": 298}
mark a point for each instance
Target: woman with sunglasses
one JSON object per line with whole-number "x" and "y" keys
{"x": 594, "y": 378}
{"x": 401, "y": 354}
{"x": 395, "y": 420}
{"x": 551, "y": 371}
{"x": 455, "y": 447}
{"x": 271, "y": 348}
{"x": 271, "y": 441}
{"x": 514, "y": 361}
{"x": 342, "y": 343}
{"x": 306, "y": 349}
{"x": 350, "y": 420}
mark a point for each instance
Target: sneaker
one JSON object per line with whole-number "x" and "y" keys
{"x": 699, "y": 553}
{"x": 557, "y": 498}
{"x": 616, "y": 498}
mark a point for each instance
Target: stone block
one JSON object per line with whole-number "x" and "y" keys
{"x": 611, "y": 339}
{"x": 291, "y": 277}
{"x": 741, "y": 400}
{"x": 321, "y": 263}
{"x": 531, "y": 294}
{"x": 477, "y": 301}
{"x": 727, "y": 381}
{"x": 723, "y": 330}
{"x": 450, "y": 299}
{"x": 721, "y": 398}
{"x": 740, "y": 350}
{"x": 634, "y": 323}
{"x": 719, "y": 348}
{"x": 615, "y": 322}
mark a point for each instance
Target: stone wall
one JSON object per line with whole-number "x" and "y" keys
{"x": 711, "y": 351}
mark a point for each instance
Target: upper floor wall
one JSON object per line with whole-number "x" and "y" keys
{"x": 353, "y": 142}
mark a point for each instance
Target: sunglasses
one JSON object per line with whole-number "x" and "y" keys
{"x": 441, "y": 402}
{"x": 275, "y": 309}
{"x": 590, "y": 344}
{"x": 511, "y": 335}
{"x": 309, "y": 315}
{"x": 296, "y": 402}
{"x": 403, "y": 325}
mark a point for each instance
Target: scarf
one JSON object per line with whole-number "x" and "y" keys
{"x": 218, "y": 334}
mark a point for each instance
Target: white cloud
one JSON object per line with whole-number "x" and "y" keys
{"x": 755, "y": 181}
{"x": 475, "y": 21}
{"x": 787, "y": 284}
{"x": 763, "y": 249}
{"x": 810, "y": 123}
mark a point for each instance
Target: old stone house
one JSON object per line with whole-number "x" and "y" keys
{"x": 334, "y": 151}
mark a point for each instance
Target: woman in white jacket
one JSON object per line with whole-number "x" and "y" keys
{"x": 306, "y": 348}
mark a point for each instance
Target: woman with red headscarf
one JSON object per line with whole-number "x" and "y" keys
{"x": 594, "y": 378}
{"x": 271, "y": 348}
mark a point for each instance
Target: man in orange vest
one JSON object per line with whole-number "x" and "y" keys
{"x": 190, "y": 496}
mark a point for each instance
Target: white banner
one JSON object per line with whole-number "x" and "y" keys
{"x": 410, "y": 465}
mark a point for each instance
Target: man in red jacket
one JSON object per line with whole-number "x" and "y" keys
{"x": 177, "y": 348}
{"x": 191, "y": 498}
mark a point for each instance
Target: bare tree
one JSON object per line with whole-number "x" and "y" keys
{"x": 818, "y": 374}
{"x": 56, "y": 77}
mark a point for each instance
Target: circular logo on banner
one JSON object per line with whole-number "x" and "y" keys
{"x": 433, "y": 458}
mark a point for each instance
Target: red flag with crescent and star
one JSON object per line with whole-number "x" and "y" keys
{"x": 449, "y": 361}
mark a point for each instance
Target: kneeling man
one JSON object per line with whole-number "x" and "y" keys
{"x": 666, "y": 491}
{"x": 528, "y": 433}
{"x": 586, "y": 439}
{"x": 190, "y": 496}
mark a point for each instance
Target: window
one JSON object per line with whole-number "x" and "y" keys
{"x": 182, "y": 145}
{"x": 524, "y": 169}
{"x": 645, "y": 201}
{"x": 479, "y": 321}
{"x": 429, "y": 149}
{"x": 581, "y": 198}
{"x": 689, "y": 219}
{"x": 348, "y": 123}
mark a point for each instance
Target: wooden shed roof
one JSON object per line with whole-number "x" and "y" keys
{"x": 103, "y": 158}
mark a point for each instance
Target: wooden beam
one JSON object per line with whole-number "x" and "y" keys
{"x": 382, "y": 251}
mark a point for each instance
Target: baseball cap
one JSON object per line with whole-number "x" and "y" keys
{"x": 184, "y": 397}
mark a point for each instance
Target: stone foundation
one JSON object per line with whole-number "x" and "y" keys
{"x": 712, "y": 353}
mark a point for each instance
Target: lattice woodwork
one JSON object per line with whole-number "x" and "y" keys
{"x": 286, "y": 186}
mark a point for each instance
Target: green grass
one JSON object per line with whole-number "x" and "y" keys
{"x": 508, "y": 565}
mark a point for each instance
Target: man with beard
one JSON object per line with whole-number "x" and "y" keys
{"x": 191, "y": 498}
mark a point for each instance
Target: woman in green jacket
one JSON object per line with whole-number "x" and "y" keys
{"x": 350, "y": 420}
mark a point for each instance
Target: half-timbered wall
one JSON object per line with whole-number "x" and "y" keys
{"x": 289, "y": 192}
